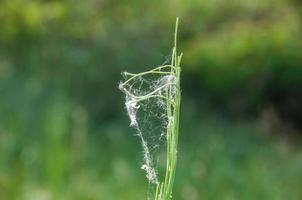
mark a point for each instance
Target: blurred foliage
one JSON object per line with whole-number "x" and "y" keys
{"x": 239, "y": 55}
{"x": 61, "y": 115}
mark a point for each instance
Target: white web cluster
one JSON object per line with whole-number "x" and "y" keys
{"x": 146, "y": 104}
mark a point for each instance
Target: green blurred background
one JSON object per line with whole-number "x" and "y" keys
{"x": 64, "y": 132}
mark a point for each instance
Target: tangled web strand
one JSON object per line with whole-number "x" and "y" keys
{"x": 153, "y": 86}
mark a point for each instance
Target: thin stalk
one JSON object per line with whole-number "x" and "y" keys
{"x": 146, "y": 96}
{"x": 164, "y": 189}
{"x": 153, "y": 71}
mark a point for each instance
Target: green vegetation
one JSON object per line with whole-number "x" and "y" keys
{"x": 63, "y": 127}
{"x": 164, "y": 189}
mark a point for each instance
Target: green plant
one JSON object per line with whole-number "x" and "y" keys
{"x": 158, "y": 89}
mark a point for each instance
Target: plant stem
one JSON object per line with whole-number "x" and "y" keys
{"x": 173, "y": 97}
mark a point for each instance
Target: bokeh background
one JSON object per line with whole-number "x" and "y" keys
{"x": 64, "y": 131}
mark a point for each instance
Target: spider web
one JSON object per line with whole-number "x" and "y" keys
{"x": 149, "y": 116}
